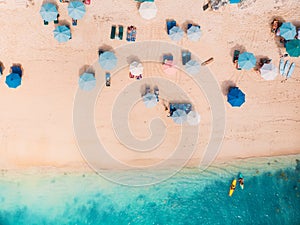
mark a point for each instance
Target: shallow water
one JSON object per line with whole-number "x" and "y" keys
{"x": 271, "y": 196}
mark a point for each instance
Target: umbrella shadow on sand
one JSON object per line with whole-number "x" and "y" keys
{"x": 64, "y": 23}
{"x": 186, "y": 23}
{"x": 132, "y": 58}
{"x": 50, "y": 1}
{"x": 86, "y": 69}
{"x": 226, "y": 85}
{"x": 238, "y": 47}
{"x": 145, "y": 88}
{"x": 17, "y": 68}
{"x": 104, "y": 48}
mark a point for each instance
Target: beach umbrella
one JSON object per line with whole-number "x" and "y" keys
{"x": 169, "y": 67}
{"x": 246, "y": 61}
{"x": 108, "y": 60}
{"x": 76, "y": 9}
{"x": 13, "y": 80}
{"x": 176, "y": 33}
{"x": 293, "y": 48}
{"x": 136, "y": 68}
{"x": 192, "y": 67}
{"x": 193, "y": 118}
{"x": 235, "y": 97}
{"x": 62, "y": 33}
{"x": 268, "y": 71}
{"x": 179, "y": 116}
{"x": 287, "y": 31}
{"x": 194, "y": 33}
{"x": 49, "y": 12}
{"x": 148, "y": 10}
{"x": 87, "y": 81}
{"x": 150, "y": 100}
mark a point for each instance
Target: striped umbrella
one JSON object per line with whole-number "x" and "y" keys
{"x": 246, "y": 61}
{"x": 76, "y": 9}
{"x": 194, "y": 33}
{"x": 235, "y": 97}
{"x": 87, "y": 81}
{"x": 269, "y": 71}
{"x": 193, "y": 118}
{"x": 293, "y": 48}
{"x": 287, "y": 31}
{"x": 179, "y": 116}
{"x": 49, "y": 12}
{"x": 192, "y": 67}
{"x": 62, "y": 33}
{"x": 176, "y": 33}
{"x": 13, "y": 80}
{"x": 108, "y": 60}
{"x": 150, "y": 100}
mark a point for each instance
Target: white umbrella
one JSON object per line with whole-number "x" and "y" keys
{"x": 136, "y": 68}
{"x": 150, "y": 100}
{"x": 194, "y": 33}
{"x": 193, "y": 118}
{"x": 192, "y": 67}
{"x": 148, "y": 10}
{"x": 179, "y": 116}
{"x": 176, "y": 33}
{"x": 268, "y": 71}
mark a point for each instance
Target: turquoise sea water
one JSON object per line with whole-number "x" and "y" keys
{"x": 271, "y": 196}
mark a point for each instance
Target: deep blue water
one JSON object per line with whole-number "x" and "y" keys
{"x": 271, "y": 196}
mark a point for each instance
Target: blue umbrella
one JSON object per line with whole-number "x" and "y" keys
{"x": 150, "y": 100}
{"x": 235, "y": 97}
{"x": 13, "y": 80}
{"x": 87, "y": 81}
{"x": 62, "y": 33}
{"x": 176, "y": 33}
{"x": 293, "y": 48}
{"x": 192, "y": 67}
{"x": 287, "y": 31}
{"x": 108, "y": 60}
{"x": 246, "y": 61}
{"x": 76, "y": 10}
{"x": 179, "y": 116}
{"x": 49, "y": 12}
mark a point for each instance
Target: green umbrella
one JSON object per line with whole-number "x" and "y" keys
{"x": 293, "y": 48}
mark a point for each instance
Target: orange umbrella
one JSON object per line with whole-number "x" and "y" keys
{"x": 169, "y": 67}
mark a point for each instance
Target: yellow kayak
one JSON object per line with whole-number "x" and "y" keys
{"x": 232, "y": 187}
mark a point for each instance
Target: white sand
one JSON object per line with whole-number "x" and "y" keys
{"x": 36, "y": 118}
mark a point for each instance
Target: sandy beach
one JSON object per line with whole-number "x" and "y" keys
{"x": 37, "y": 117}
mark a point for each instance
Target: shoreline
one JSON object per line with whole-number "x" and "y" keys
{"x": 84, "y": 167}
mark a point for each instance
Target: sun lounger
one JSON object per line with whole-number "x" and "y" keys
{"x": 156, "y": 92}
{"x": 113, "y": 32}
{"x": 131, "y": 75}
{"x": 74, "y": 22}
{"x": 205, "y": 7}
{"x": 235, "y": 58}
{"x": 46, "y": 22}
{"x": 107, "y": 79}
{"x": 170, "y": 24}
{"x": 235, "y": 55}
{"x": 131, "y": 33}
{"x": 186, "y": 56}
{"x": 147, "y": 90}
{"x": 167, "y": 58}
{"x": 56, "y": 21}
{"x": 17, "y": 70}
{"x": 120, "y": 32}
